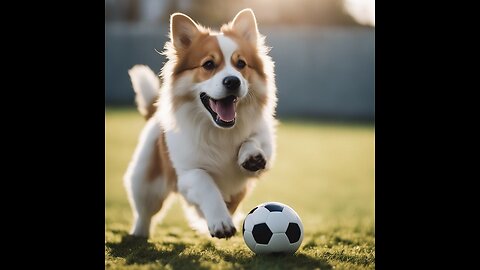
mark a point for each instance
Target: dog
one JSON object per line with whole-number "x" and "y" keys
{"x": 211, "y": 126}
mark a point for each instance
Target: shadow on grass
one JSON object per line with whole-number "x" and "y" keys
{"x": 137, "y": 250}
{"x": 178, "y": 255}
{"x": 275, "y": 261}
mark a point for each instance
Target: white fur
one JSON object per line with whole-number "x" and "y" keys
{"x": 146, "y": 86}
{"x": 206, "y": 158}
{"x": 199, "y": 189}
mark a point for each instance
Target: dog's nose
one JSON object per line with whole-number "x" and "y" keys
{"x": 231, "y": 83}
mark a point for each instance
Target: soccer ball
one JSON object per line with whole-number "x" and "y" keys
{"x": 273, "y": 227}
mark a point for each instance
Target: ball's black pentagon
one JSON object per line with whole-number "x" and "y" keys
{"x": 251, "y": 211}
{"x": 293, "y": 232}
{"x": 273, "y": 207}
{"x": 261, "y": 233}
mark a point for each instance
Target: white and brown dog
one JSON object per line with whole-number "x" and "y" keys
{"x": 211, "y": 126}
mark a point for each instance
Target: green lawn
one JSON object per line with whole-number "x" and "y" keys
{"x": 324, "y": 171}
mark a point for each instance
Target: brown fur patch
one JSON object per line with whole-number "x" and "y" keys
{"x": 166, "y": 164}
{"x": 245, "y": 51}
{"x": 154, "y": 169}
{"x": 205, "y": 47}
{"x": 150, "y": 111}
{"x": 235, "y": 201}
{"x": 161, "y": 164}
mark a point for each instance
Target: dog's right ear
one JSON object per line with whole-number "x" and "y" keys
{"x": 183, "y": 30}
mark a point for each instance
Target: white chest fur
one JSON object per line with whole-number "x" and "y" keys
{"x": 196, "y": 143}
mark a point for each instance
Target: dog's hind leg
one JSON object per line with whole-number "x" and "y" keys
{"x": 145, "y": 180}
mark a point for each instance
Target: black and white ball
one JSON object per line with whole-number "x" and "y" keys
{"x": 273, "y": 227}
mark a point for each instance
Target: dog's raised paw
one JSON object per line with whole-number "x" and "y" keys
{"x": 255, "y": 163}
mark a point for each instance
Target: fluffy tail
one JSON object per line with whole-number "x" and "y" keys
{"x": 146, "y": 86}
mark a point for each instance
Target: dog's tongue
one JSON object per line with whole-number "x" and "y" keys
{"x": 225, "y": 108}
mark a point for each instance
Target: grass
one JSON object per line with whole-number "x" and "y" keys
{"x": 324, "y": 171}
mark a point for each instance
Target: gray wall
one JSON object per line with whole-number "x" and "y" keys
{"x": 321, "y": 72}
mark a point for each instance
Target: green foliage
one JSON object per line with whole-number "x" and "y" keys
{"x": 324, "y": 171}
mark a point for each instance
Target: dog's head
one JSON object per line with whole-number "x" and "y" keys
{"x": 222, "y": 73}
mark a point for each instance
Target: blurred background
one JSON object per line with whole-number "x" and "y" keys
{"x": 324, "y": 49}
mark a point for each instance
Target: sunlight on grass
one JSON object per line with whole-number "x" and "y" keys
{"x": 324, "y": 171}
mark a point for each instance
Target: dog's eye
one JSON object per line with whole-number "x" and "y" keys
{"x": 209, "y": 65}
{"x": 241, "y": 64}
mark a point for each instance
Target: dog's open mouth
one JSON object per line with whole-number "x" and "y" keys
{"x": 222, "y": 110}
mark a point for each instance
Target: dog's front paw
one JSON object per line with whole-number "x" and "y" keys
{"x": 251, "y": 158}
{"x": 254, "y": 163}
{"x": 222, "y": 228}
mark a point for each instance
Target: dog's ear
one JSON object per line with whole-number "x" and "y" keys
{"x": 183, "y": 30}
{"x": 246, "y": 25}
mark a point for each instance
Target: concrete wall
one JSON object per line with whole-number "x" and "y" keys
{"x": 321, "y": 72}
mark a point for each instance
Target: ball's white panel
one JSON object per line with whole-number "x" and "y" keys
{"x": 249, "y": 240}
{"x": 291, "y": 215}
{"x": 258, "y": 216}
{"x": 249, "y": 222}
{"x": 262, "y": 249}
{"x": 279, "y": 243}
{"x": 278, "y": 222}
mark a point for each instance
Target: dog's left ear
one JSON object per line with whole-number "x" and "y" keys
{"x": 183, "y": 31}
{"x": 246, "y": 24}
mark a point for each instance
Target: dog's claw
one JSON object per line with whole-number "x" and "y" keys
{"x": 225, "y": 233}
{"x": 219, "y": 234}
